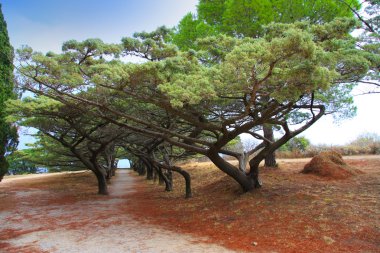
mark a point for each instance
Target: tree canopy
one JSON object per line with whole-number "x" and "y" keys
{"x": 248, "y": 18}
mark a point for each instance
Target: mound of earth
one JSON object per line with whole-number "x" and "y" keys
{"x": 329, "y": 165}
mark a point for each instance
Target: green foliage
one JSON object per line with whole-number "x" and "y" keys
{"x": 151, "y": 46}
{"x": 370, "y": 41}
{"x": 48, "y": 153}
{"x": 235, "y": 145}
{"x": 189, "y": 30}
{"x": 20, "y": 164}
{"x": 296, "y": 144}
{"x": 247, "y": 18}
{"x": 8, "y": 132}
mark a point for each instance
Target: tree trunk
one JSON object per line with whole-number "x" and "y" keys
{"x": 243, "y": 160}
{"x": 161, "y": 180}
{"x": 113, "y": 167}
{"x": 169, "y": 175}
{"x": 141, "y": 168}
{"x": 168, "y": 183}
{"x": 108, "y": 175}
{"x": 148, "y": 166}
{"x": 102, "y": 184}
{"x": 254, "y": 172}
{"x": 245, "y": 181}
{"x": 155, "y": 174}
{"x": 270, "y": 158}
{"x": 149, "y": 172}
{"x": 187, "y": 178}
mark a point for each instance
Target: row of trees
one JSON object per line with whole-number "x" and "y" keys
{"x": 194, "y": 94}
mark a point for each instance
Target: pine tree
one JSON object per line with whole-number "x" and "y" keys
{"x": 8, "y": 133}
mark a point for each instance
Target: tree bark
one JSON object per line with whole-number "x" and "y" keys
{"x": 187, "y": 178}
{"x": 102, "y": 184}
{"x": 254, "y": 172}
{"x": 169, "y": 175}
{"x": 148, "y": 166}
{"x": 108, "y": 174}
{"x": 243, "y": 160}
{"x": 270, "y": 158}
{"x": 141, "y": 168}
{"x": 168, "y": 184}
{"x": 244, "y": 180}
{"x": 149, "y": 172}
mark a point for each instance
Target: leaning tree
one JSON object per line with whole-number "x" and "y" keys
{"x": 248, "y": 18}
{"x": 85, "y": 139}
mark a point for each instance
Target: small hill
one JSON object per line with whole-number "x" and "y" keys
{"x": 329, "y": 165}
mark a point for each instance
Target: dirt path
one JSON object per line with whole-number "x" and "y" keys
{"x": 44, "y": 214}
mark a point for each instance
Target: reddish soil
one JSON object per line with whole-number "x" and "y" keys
{"x": 293, "y": 212}
{"x": 61, "y": 212}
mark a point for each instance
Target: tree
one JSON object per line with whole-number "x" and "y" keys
{"x": 8, "y": 132}
{"x": 191, "y": 29}
{"x": 369, "y": 40}
{"x": 86, "y": 140}
{"x": 19, "y": 164}
{"x": 296, "y": 144}
{"x": 248, "y": 18}
{"x": 202, "y": 100}
{"x": 47, "y": 153}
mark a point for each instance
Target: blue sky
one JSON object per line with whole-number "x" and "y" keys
{"x": 46, "y": 24}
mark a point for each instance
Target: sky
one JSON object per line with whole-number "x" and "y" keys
{"x": 46, "y": 24}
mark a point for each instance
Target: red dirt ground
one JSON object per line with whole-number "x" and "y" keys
{"x": 293, "y": 212}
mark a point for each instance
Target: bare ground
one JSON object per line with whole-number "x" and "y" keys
{"x": 293, "y": 212}
{"x": 60, "y": 213}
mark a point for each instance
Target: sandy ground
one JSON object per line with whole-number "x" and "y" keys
{"x": 36, "y": 219}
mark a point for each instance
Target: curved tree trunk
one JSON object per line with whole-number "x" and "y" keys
{"x": 187, "y": 178}
{"x": 245, "y": 181}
